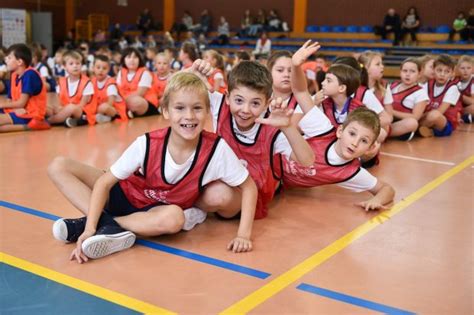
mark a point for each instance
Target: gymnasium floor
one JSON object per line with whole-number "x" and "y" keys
{"x": 316, "y": 253}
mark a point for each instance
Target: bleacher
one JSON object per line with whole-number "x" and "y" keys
{"x": 346, "y": 40}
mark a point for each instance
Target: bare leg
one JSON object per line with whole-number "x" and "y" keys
{"x": 159, "y": 220}
{"x": 106, "y": 109}
{"x": 404, "y": 126}
{"x": 434, "y": 119}
{"x": 137, "y": 104}
{"x": 75, "y": 180}
{"x": 221, "y": 198}
{"x": 64, "y": 113}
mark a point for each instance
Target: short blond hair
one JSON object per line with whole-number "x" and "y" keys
{"x": 72, "y": 54}
{"x": 184, "y": 81}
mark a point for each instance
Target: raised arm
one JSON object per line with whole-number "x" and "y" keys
{"x": 298, "y": 79}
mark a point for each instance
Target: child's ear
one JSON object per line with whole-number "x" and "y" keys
{"x": 339, "y": 131}
{"x": 164, "y": 111}
{"x": 227, "y": 98}
{"x": 342, "y": 88}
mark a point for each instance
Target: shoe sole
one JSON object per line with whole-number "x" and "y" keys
{"x": 60, "y": 231}
{"x": 98, "y": 246}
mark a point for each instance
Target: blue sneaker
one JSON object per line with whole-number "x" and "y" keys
{"x": 109, "y": 239}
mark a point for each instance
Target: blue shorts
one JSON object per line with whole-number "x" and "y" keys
{"x": 19, "y": 120}
{"x": 118, "y": 204}
{"x": 447, "y": 130}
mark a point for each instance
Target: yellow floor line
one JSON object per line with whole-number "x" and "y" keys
{"x": 83, "y": 286}
{"x": 281, "y": 282}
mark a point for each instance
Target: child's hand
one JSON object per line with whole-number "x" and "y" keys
{"x": 318, "y": 98}
{"x": 201, "y": 67}
{"x": 371, "y": 205}
{"x": 300, "y": 56}
{"x": 280, "y": 116}
{"x": 240, "y": 245}
{"x": 77, "y": 252}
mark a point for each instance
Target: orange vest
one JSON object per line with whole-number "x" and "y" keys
{"x": 90, "y": 108}
{"x": 128, "y": 87}
{"x": 159, "y": 85}
{"x": 36, "y": 105}
{"x": 210, "y": 79}
{"x": 102, "y": 97}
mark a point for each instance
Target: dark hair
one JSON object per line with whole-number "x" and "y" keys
{"x": 252, "y": 75}
{"x": 446, "y": 60}
{"x": 347, "y": 76}
{"x": 354, "y": 64}
{"x": 189, "y": 49}
{"x": 366, "y": 117}
{"x": 130, "y": 51}
{"x": 417, "y": 17}
{"x": 21, "y": 52}
{"x": 102, "y": 58}
{"x": 243, "y": 55}
{"x": 277, "y": 55}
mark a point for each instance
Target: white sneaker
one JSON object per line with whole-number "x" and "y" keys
{"x": 101, "y": 118}
{"x": 192, "y": 217}
{"x": 101, "y": 245}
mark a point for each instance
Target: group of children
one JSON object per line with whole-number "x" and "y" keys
{"x": 270, "y": 133}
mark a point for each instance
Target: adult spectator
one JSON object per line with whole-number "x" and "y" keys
{"x": 391, "y": 24}
{"x": 116, "y": 33}
{"x": 168, "y": 41}
{"x": 411, "y": 24}
{"x": 470, "y": 25}
{"x": 459, "y": 26}
{"x": 245, "y": 24}
{"x": 273, "y": 22}
{"x": 145, "y": 21}
{"x": 185, "y": 25}
{"x": 223, "y": 31}
{"x": 258, "y": 23}
{"x": 263, "y": 46}
{"x": 205, "y": 23}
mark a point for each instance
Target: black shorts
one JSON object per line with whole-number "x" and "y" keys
{"x": 152, "y": 110}
{"x": 118, "y": 204}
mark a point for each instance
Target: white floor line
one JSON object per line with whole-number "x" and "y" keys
{"x": 417, "y": 159}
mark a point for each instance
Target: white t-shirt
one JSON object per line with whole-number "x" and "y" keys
{"x": 414, "y": 98}
{"x": 451, "y": 96}
{"x": 462, "y": 86}
{"x": 314, "y": 123}
{"x": 145, "y": 81}
{"x": 371, "y": 102}
{"x": 43, "y": 71}
{"x": 388, "y": 97}
{"x": 281, "y": 144}
{"x": 362, "y": 181}
{"x": 72, "y": 87}
{"x": 111, "y": 89}
{"x": 224, "y": 164}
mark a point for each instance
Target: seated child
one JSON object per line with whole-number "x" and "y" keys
{"x": 109, "y": 103}
{"x": 135, "y": 85}
{"x": 76, "y": 95}
{"x": 257, "y": 136}
{"x": 26, "y": 106}
{"x": 163, "y": 73}
{"x": 217, "y": 78}
{"x": 441, "y": 116}
{"x": 409, "y": 101}
{"x": 151, "y": 189}
{"x": 465, "y": 69}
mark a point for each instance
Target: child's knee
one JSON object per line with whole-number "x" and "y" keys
{"x": 433, "y": 116}
{"x": 411, "y": 124}
{"x": 172, "y": 221}
{"x": 58, "y": 165}
{"x": 217, "y": 194}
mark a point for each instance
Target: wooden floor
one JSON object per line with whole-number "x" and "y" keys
{"x": 316, "y": 253}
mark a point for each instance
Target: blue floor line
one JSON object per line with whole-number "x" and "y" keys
{"x": 157, "y": 246}
{"x": 353, "y": 300}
